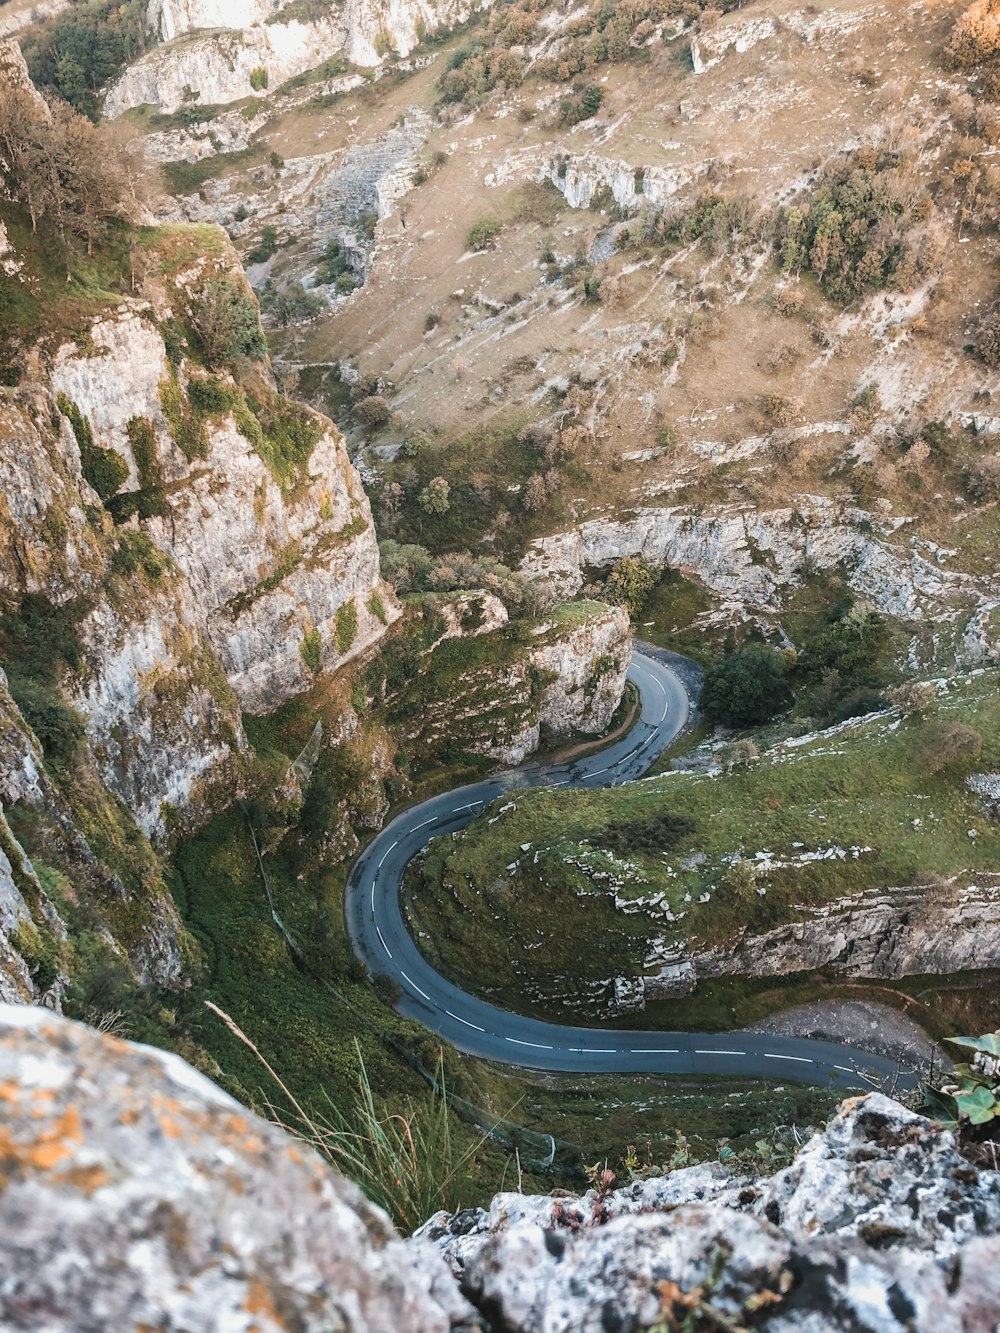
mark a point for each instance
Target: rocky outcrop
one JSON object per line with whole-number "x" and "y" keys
{"x": 582, "y": 670}
{"x": 753, "y": 557}
{"x": 589, "y": 663}
{"x": 896, "y": 933}
{"x": 135, "y": 1193}
{"x": 228, "y": 595}
{"x": 214, "y": 47}
{"x": 878, "y": 1226}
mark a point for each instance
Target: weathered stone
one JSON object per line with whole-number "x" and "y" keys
{"x": 216, "y": 46}
{"x": 135, "y": 1194}
{"x": 878, "y": 1226}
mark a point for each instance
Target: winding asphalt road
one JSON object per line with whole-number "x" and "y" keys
{"x": 383, "y": 942}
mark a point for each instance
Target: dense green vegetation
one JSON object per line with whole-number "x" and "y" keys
{"x": 746, "y": 688}
{"x": 86, "y": 46}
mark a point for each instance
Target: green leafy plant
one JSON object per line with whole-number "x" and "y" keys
{"x": 103, "y": 469}
{"x": 971, "y": 1094}
{"x": 482, "y": 235}
{"x": 346, "y": 625}
{"x": 376, "y": 605}
{"x": 408, "y": 1162}
{"x": 311, "y": 648}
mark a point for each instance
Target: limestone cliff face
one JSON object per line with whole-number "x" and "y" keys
{"x": 214, "y": 47}
{"x": 243, "y": 585}
{"x": 568, "y": 677}
{"x": 750, "y": 559}
{"x": 896, "y": 933}
{"x": 585, "y": 666}
{"x": 172, "y": 1206}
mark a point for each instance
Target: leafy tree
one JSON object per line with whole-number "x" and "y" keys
{"x": 372, "y": 411}
{"x": 226, "y": 322}
{"x": 630, "y": 582}
{"x": 746, "y": 688}
{"x": 290, "y": 303}
{"x": 435, "y": 498}
{"x": 85, "y": 48}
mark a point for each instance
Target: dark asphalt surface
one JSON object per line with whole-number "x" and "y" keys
{"x": 383, "y": 942}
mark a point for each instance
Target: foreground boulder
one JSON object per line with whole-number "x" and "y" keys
{"x": 135, "y": 1194}
{"x": 879, "y": 1225}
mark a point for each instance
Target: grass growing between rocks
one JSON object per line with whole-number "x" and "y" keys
{"x": 527, "y": 907}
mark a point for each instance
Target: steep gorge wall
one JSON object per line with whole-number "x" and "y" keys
{"x": 214, "y": 47}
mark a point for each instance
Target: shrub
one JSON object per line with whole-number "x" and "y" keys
{"x": 630, "y": 582}
{"x": 186, "y": 426}
{"x": 984, "y": 479}
{"x": 746, "y": 688}
{"x": 136, "y": 554}
{"x": 346, "y": 625}
{"x": 377, "y": 606}
{"x": 210, "y": 396}
{"x": 372, "y": 411}
{"x": 103, "y": 469}
{"x": 258, "y": 79}
{"x": 975, "y": 43}
{"x": 311, "y": 648}
{"x": 268, "y": 246}
{"x": 482, "y": 235}
{"x": 290, "y": 303}
{"x": 435, "y": 498}
{"x": 946, "y": 745}
{"x": 850, "y": 235}
{"x": 572, "y": 110}
{"x": 226, "y": 323}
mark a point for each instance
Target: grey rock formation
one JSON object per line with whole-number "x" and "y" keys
{"x": 215, "y": 45}
{"x": 135, "y": 1194}
{"x": 897, "y": 932}
{"x": 878, "y": 1226}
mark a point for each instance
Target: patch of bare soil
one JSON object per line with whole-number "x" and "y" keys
{"x": 874, "y": 1027}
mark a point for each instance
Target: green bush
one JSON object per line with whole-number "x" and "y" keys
{"x": 572, "y": 110}
{"x": 260, "y": 254}
{"x": 311, "y": 648}
{"x": 372, "y": 411}
{"x": 333, "y": 265}
{"x": 346, "y": 625}
{"x": 210, "y": 396}
{"x": 103, "y": 469}
{"x": 226, "y": 323}
{"x": 288, "y": 433}
{"x": 630, "y": 582}
{"x": 850, "y": 234}
{"x": 136, "y": 554}
{"x": 746, "y": 688}
{"x": 186, "y": 425}
{"x": 377, "y": 606}
{"x": 258, "y": 79}
{"x": 482, "y": 235}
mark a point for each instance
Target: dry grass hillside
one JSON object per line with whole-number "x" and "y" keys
{"x": 759, "y": 274}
